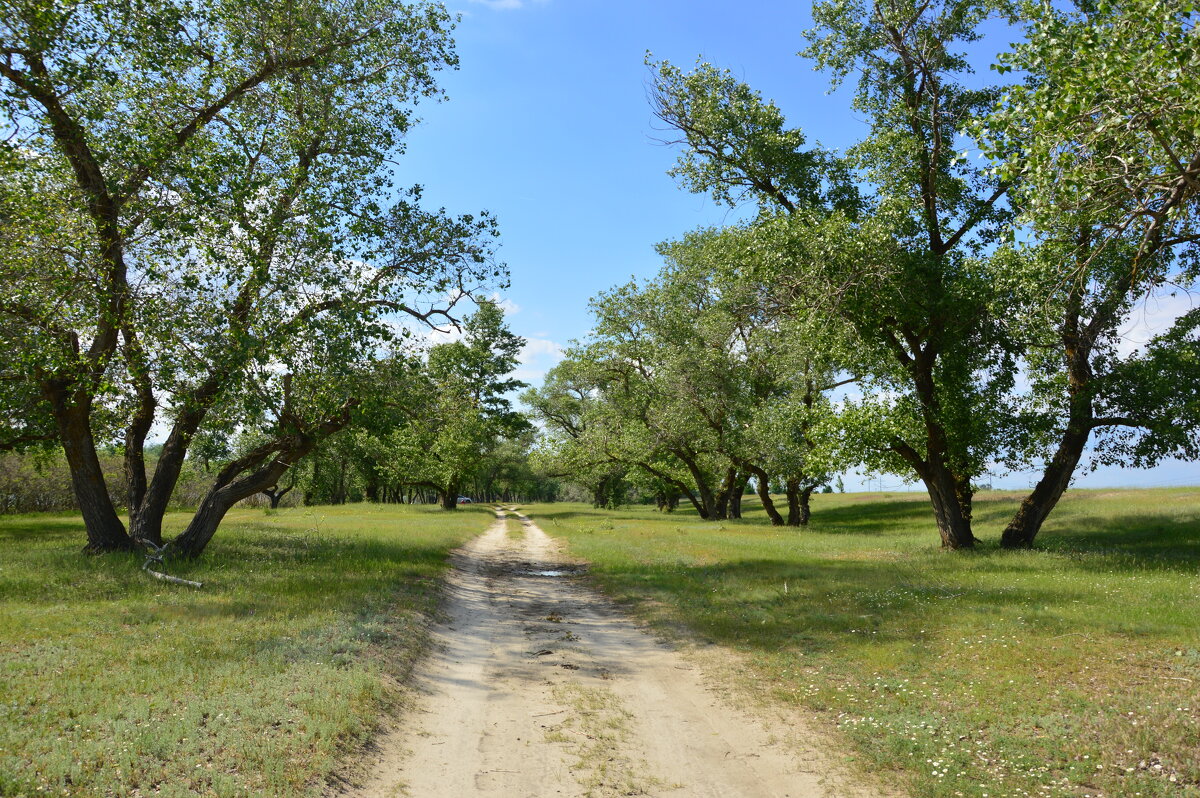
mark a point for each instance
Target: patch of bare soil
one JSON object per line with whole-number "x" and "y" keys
{"x": 538, "y": 686}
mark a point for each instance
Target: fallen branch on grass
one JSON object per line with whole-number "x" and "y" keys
{"x": 155, "y": 555}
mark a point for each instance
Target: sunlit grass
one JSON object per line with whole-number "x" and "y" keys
{"x": 114, "y": 684}
{"x": 1070, "y": 670}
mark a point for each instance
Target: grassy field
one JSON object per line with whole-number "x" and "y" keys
{"x": 1072, "y": 670}
{"x": 114, "y": 684}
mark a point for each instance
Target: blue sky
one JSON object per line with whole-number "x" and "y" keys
{"x": 548, "y": 127}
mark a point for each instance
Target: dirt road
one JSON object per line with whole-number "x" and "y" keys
{"x": 539, "y": 687}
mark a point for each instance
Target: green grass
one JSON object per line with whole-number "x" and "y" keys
{"x": 112, "y": 683}
{"x": 1071, "y": 670}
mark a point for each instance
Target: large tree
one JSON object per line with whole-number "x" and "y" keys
{"x": 457, "y": 407}
{"x": 904, "y": 268}
{"x": 1102, "y": 147}
{"x": 231, "y": 160}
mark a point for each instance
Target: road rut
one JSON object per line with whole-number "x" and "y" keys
{"x": 538, "y": 686}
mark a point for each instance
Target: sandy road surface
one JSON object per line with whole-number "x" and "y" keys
{"x": 539, "y": 687}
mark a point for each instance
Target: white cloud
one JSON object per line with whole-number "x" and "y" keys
{"x": 1154, "y": 317}
{"x": 538, "y": 356}
{"x": 504, "y": 5}
{"x": 509, "y": 307}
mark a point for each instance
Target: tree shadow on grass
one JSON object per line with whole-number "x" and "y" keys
{"x": 1132, "y": 542}
{"x": 871, "y": 518}
{"x": 817, "y": 605}
{"x": 273, "y": 569}
{"x": 33, "y": 528}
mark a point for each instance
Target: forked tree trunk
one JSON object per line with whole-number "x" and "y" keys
{"x": 253, "y": 472}
{"x": 721, "y": 499}
{"x": 72, "y": 415}
{"x": 798, "y": 495}
{"x": 275, "y": 495}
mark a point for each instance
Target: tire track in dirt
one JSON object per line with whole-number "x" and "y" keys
{"x": 538, "y": 686}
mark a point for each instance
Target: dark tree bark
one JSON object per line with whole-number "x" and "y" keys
{"x": 805, "y": 509}
{"x": 763, "y": 488}
{"x": 792, "y": 490}
{"x": 275, "y": 494}
{"x": 799, "y": 494}
{"x": 735, "y": 498}
{"x": 255, "y": 471}
{"x": 721, "y": 499}
{"x": 72, "y": 415}
{"x": 951, "y": 508}
{"x": 232, "y": 486}
{"x": 1077, "y": 341}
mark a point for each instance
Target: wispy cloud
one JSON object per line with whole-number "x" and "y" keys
{"x": 1152, "y": 317}
{"x": 509, "y": 307}
{"x": 505, "y": 5}
{"x": 538, "y": 356}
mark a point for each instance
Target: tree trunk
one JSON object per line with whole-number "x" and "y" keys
{"x": 276, "y": 495}
{"x": 739, "y": 491}
{"x": 763, "y": 485}
{"x": 792, "y": 489}
{"x": 599, "y": 493}
{"x": 72, "y": 415}
{"x": 449, "y": 499}
{"x": 1056, "y": 477}
{"x": 721, "y": 501}
{"x": 805, "y": 510}
{"x": 951, "y": 508}
{"x": 229, "y": 489}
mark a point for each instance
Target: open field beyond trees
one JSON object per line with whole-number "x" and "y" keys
{"x": 114, "y": 684}
{"x": 1070, "y": 670}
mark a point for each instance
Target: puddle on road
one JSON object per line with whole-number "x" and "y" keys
{"x": 554, "y": 571}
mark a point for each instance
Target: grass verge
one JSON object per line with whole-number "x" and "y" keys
{"x": 114, "y": 684}
{"x": 1071, "y": 670}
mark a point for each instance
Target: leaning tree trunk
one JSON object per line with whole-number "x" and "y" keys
{"x": 72, "y": 415}
{"x": 230, "y": 488}
{"x": 763, "y": 486}
{"x": 255, "y": 471}
{"x": 1056, "y": 477}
